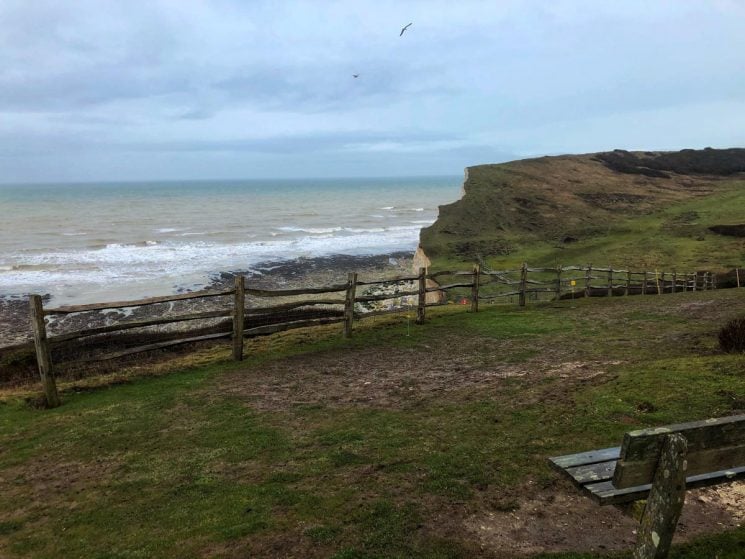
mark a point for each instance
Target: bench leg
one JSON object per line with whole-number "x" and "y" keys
{"x": 665, "y": 501}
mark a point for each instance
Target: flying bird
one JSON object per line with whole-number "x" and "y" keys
{"x": 355, "y": 75}
{"x": 404, "y": 29}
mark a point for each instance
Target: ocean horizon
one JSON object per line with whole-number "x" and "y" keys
{"x": 96, "y": 241}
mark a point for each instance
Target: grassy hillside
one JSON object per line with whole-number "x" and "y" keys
{"x": 406, "y": 441}
{"x": 598, "y": 208}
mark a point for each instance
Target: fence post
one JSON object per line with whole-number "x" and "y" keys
{"x": 661, "y": 284}
{"x": 523, "y": 283}
{"x": 705, "y": 280}
{"x": 675, "y": 280}
{"x": 475, "y": 288}
{"x": 43, "y": 353}
{"x": 558, "y": 282}
{"x": 588, "y": 279}
{"x": 422, "y": 303}
{"x": 610, "y": 281}
{"x": 349, "y": 303}
{"x": 239, "y": 305}
{"x": 737, "y": 274}
{"x": 644, "y": 283}
{"x": 628, "y": 282}
{"x": 695, "y": 280}
{"x": 713, "y": 280}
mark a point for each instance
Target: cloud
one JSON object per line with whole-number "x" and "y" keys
{"x": 148, "y": 80}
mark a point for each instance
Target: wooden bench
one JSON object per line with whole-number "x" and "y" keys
{"x": 658, "y": 465}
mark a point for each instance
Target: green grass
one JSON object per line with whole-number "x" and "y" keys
{"x": 674, "y": 237}
{"x": 178, "y": 466}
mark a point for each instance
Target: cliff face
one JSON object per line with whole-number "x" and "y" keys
{"x": 569, "y": 198}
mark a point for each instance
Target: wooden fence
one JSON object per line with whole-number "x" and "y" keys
{"x": 343, "y": 303}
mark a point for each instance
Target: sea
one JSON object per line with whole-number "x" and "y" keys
{"x": 95, "y": 242}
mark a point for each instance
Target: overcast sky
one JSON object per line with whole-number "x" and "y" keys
{"x": 128, "y": 90}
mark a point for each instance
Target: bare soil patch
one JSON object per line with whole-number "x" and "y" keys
{"x": 529, "y": 520}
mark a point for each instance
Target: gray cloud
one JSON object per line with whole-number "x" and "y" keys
{"x": 154, "y": 82}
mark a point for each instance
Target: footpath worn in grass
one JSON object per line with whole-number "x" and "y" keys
{"x": 419, "y": 438}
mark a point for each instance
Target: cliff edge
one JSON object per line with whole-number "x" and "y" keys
{"x": 570, "y": 198}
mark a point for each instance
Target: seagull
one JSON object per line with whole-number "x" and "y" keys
{"x": 404, "y": 29}
{"x": 355, "y": 75}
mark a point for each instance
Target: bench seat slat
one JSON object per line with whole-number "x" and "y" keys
{"x": 585, "y": 458}
{"x": 606, "y": 494}
{"x": 592, "y": 473}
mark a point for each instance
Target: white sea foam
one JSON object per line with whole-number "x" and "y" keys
{"x": 208, "y": 231}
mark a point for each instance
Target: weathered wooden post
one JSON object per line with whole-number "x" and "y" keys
{"x": 661, "y": 284}
{"x": 737, "y": 274}
{"x": 558, "y": 282}
{"x": 665, "y": 501}
{"x": 675, "y": 281}
{"x": 523, "y": 283}
{"x": 610, "y": 281}
{"x": 349, "y": 303}
{"x": 644, "y": 283}
{"x": 475, "y": 288}
{"x": 705, "y": 282}
{"x": 695, "y": 280}
{"x": 239, "y": 306}
{"x": 43, "y": 352}
{"x": 422, "y": 303}
{"x": 628, "y": 282}
{"x": 588, "y": 280}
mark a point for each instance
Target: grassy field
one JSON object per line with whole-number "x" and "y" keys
{"x": 406, "y": 441}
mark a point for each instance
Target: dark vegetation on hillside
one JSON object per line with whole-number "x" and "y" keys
{"x": 732, "y": 336}
{"x": 729, "y": 230}
{"x": 722, "y": 162}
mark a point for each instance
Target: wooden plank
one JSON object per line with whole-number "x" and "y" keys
{"x": 294, "y": 305}
{"x": 399, "y": 279}
{"x": 475, "y": 289}
{"x": 448, "y": 286}
{"x": 702, "y": 461}
{"x": 422, "y": 299}
{"x": 275, "y": 328}
{"x": 606, "y": 494}
{"x": 665, "y": 502}
{"x": 137, "y": 324}
{"x": 592, "y": 473}
{"x": 349, "y": 304}
{"x": 436, "y": 275}
{"x": 523, "y": 281}
{"x": 293, "y": 292}
{"x": 585, "y": 458}
{"x": 239, "y": 305}
{"x": 720, "y": 443}
{"x": 137, "y": 303}
{"x": 43, "y": 352}
{"x": 151, "y": 347}
{"x": 385, "y": 297}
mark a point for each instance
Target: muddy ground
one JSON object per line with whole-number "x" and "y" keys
{"x": 538, "y": 518}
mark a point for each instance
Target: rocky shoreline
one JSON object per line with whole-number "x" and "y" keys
{"x": 303, "y": 272}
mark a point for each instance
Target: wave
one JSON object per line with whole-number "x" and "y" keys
{"x": 313, "y": 230}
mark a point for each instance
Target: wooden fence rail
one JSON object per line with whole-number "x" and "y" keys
{"x": 250, "y": 321}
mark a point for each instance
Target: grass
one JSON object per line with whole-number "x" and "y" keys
{"x": 180, "y": 465}
{"x": 676, "y": 235}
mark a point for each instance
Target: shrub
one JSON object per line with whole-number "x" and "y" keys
{"x": 732, "y": 336}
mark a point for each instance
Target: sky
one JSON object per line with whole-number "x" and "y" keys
{"x": 184, "y": 89}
